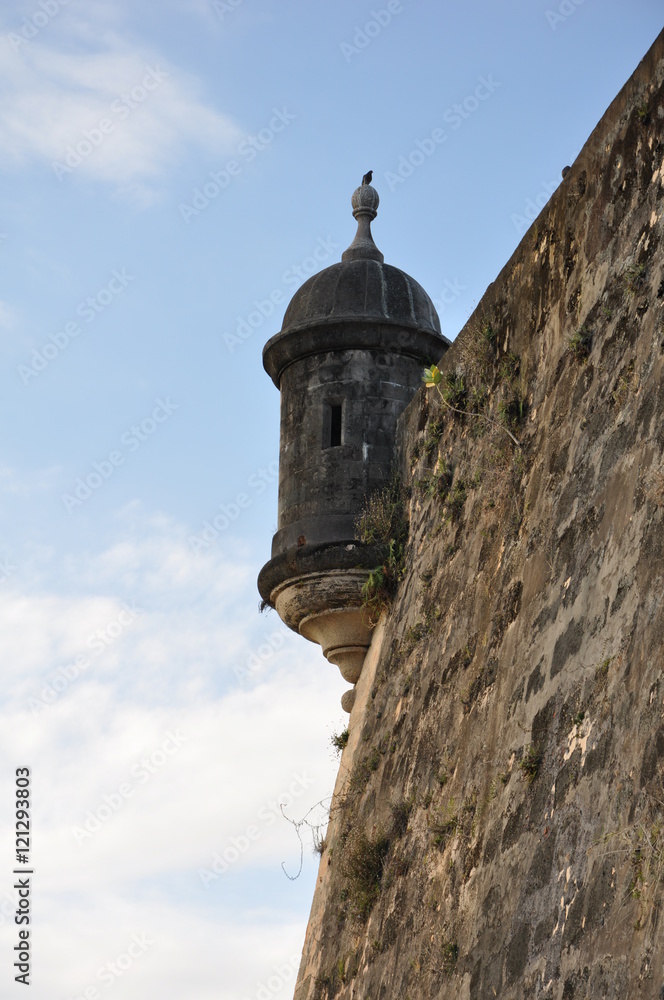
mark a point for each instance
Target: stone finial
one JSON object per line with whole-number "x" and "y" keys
{"x": 365, "y": 204}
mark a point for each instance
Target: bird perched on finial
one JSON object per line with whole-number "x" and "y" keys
{"x": 367, "y": 177}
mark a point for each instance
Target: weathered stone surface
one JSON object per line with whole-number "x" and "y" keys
{"x": 507, "y": 734}
{"x": 347, "y": 362}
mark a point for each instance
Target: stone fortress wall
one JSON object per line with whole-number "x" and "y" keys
{"x": 498, "y": 822}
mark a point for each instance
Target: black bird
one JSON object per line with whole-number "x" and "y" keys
{"x": 367, "y": 178}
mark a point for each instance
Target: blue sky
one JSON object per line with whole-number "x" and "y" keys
{"x": 171, "y": 170}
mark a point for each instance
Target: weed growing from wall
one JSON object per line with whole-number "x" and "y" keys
{"x": 531, "y": 763}
{"x": 361, "y": 865}
{"x": 443, "y": 825}
{"x": 634, "y": 278}
{"x": 400, "y": 815}
{"x": 453, "y": 394}
{"x": 450, "y": 955}
{"x": 383, "y": 522}
{"x": 580, "y": 343}
{"x": 339, "y": 741}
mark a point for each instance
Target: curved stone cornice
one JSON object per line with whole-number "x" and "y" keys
{"x": 303, "y": 560}
{"x": 348, "y": 334}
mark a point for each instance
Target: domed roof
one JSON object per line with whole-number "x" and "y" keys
{"x": 362, "y": 302}
{"x": 361, "y": 289}
{"x": 362, "y": 286}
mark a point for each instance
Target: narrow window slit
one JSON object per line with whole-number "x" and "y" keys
{"x": 335, "y": 426}
{"x": 332, "y": 420}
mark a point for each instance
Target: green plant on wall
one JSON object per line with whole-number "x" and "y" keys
{"x": 444, "y": 824}
{"x": 452, "y": 392}
{"x": 361, "y": 866}
{"x": 531, "y": 763}
{"x": 634, "y": 278}
{"x": 579, "y": 343}
{"x": 339, "y": 741}
{"x": 383, "y": 523}
{"x": 437, "y": 483}
{"x": 450, "y": 954}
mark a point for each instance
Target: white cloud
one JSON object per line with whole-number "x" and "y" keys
{"x": 54, "y": 98}
{"x": 208, "y": 955}
{"x": 154, "y": 811}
